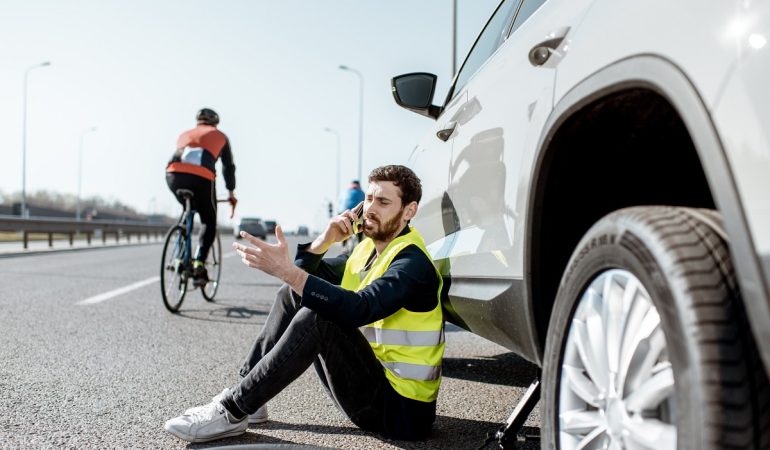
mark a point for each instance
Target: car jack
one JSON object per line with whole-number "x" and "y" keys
{"x": 508, "y": 434}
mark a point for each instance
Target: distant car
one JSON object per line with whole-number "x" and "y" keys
{"x": 270, "y": 226}
{"x": 302, "y": 231}
{"x": 251, "y": 225}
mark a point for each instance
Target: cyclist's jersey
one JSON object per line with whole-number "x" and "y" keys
{"x": 197, "y": 152}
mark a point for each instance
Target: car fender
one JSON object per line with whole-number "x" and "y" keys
{"x": 663, "y": 76}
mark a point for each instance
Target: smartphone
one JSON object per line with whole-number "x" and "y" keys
{"x": 359, "y": 212}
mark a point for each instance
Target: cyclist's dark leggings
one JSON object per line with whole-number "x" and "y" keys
{"x": 205, "y": 202}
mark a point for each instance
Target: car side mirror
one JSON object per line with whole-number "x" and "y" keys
{"x": 414, "y": 91}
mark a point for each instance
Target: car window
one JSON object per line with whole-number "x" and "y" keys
{"x": 486, "y": 44}
{"x": 526, "y": 10}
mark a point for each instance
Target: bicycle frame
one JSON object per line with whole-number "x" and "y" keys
{"x": 177, "y": 266}
{"x": 187, "y": 218}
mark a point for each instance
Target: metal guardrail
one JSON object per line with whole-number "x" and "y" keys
{"x": 55, "y": 225}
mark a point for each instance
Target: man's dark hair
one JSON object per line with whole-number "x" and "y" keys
{"x": 403, "y": 177}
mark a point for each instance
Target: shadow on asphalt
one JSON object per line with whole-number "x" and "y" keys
{"x": 261, "y": 441}
{"x": 240, "y": 315}
{"x": 506, "y": 369}
{"x": 278, "y": 446}
{"x": 264, "y": 444}
{"x": 472, "y": 434}
{"x": 270, "y": 284}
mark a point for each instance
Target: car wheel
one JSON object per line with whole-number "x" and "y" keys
{"x": 648, "y": 346}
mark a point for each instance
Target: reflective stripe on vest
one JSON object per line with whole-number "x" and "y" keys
{"x": 414, "y": 371}
{"x": 402, "y": 337}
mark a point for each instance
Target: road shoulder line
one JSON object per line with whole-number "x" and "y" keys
{"x": 119, "y": 291}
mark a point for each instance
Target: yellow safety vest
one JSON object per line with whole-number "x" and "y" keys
{"x": 408, "y": 344}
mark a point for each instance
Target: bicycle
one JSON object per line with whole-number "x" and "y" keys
{"x": 176, "y": 267}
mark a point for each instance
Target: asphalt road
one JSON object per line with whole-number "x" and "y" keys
{"x": 109, "y": 372}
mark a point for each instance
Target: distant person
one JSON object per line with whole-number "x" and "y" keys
{"x": 371, "y": 324}
{"x": 353, "y": 196}
{"x": 193, "y": 167}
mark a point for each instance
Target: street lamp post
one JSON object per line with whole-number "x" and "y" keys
{"x": 80, "y": 167}
{"x": 453, "y": 13}
{"x": 23, "y": 211}
{"x": 337, "y": 192}
{"x": 360, "y": 116}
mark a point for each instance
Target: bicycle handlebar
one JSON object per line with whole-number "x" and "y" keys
{"x": 232, "y": 204}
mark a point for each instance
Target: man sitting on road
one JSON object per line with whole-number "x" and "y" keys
{"x": 385, "y": 375}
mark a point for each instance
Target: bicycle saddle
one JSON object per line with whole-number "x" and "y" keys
{"x": 185, "y": 193}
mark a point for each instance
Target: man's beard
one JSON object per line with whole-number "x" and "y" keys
{"x": 385, "y": 231}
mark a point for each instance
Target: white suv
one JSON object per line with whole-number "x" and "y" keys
{"x": 597, "y": 195}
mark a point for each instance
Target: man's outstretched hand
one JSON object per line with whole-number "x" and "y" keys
{"x": 273, "y": 259}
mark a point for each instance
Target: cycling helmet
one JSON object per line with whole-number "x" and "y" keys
{"x": 208, "y": 116}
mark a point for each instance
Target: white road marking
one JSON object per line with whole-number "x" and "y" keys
{"x": 131, "y": 287}
{"x": 118, "y": 291}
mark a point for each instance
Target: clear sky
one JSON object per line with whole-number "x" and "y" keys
{"x": 139, "y": 70}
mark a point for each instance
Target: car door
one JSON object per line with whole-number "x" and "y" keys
{"x": 509, "y": 99}
{"x": 432, "y": 159}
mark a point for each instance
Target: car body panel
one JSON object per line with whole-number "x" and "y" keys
{"x": 746, "y": 140}
{"x": 614, "y": 30}
{"x": 426, "y": 158}
{"x": 480, "y": 205}
{"x": 663, "y": 76}
{"x": 479, "y": 185}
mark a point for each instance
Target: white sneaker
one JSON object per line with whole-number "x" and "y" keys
{"x": 258, "y": 417}
{"x": 215, "y": 399}
{"x": 207, "y": 423}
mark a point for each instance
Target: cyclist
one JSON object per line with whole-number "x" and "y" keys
{"x": 193, "y": 167}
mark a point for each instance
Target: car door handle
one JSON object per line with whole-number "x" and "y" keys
{"x": 541, "y": 53}
{"x": 446, "y": 132}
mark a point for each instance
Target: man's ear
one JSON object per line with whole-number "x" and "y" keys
{"x": 410, "y": 210}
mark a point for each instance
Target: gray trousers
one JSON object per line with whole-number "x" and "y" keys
{"x": 295, "y": 337}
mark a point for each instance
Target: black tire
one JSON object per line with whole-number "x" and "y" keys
{"x": 214, "y": 270}
{"x": 718, "y": 394}
{"x": 173, "y": 275}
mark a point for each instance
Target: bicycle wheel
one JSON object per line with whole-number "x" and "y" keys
{"x": 173, "y": 275}
{"x": 214, "y": 269}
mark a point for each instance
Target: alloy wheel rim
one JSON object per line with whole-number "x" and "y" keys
{"x": 617, "y": 385}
